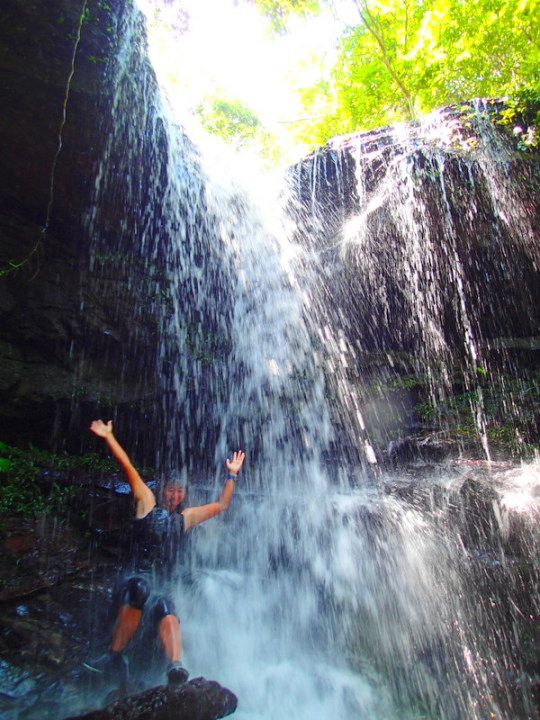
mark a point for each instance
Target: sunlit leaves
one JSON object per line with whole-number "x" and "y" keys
{"x": 406, "y": 57}
{"x": 236, "y": 123}
{"x": 228, "y": 118}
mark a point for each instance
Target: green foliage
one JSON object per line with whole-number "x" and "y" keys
{"x": 230, "y": 119}
{"x": 510, "y": 407}
{"x": 406, "y": 57}
{"x": 521, "y": 117}
{"x": 20, "y": 469}
{"x": 236, "y": 123}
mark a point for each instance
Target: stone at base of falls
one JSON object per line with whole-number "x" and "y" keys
{"x": 198, "y": 699}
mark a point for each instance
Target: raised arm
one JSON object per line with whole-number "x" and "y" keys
{"x": 144, "y": 497}
{"x": 195, "y": 515}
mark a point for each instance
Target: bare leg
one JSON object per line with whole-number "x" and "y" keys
{"x": 170, "y": 636}
{"x": 126, "y": 623}
{"x": 171, "y": 639}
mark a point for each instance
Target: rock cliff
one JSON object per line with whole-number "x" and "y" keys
{"x": 426, "y": 240}
{"x": 426, "y": 249}
{"x": 58, "y": 70}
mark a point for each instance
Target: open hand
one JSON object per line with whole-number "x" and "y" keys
{"x": 99, "y": 428}
{"x": 234, "y": 465}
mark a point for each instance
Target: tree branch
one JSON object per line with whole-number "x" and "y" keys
{"x": 375, "y": 29}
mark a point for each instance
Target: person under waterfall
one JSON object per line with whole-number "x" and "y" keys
{"x": 157, "y": 534}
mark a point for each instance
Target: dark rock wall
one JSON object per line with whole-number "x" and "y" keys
{"x": 352, "y": 199}
{"x": 83, "y": 295}
{"x": 58, "y": 69}
{"x": 428, "y": 251}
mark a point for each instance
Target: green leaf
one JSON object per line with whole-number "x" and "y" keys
{"x": 411, "y": 56}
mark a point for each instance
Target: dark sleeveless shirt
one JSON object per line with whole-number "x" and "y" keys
{"x": 157, "y": 540}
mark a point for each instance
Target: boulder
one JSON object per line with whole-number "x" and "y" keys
{"x": 198, "y": 699}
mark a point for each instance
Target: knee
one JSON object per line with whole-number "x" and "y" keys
{"x": 162, "y": 608}
{"x": 135, "y": 592}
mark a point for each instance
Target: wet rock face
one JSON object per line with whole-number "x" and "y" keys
{"x": 57, "y": 66}
{"x": 427, "y": 240}
{"x": 81, "y": 303}
{"x": 53, "y": 118}
{"x": 432, "y": 226}
{"x": 55, "y": 591}
{"x": 84, "y": 242}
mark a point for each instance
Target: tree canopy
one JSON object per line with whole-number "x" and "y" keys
{"x": 394, "y": 60}
{"x": 407, "y": 57}
{"x": 236, "y": 123}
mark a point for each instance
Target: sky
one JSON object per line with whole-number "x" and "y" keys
{"x": 228, "y": 46}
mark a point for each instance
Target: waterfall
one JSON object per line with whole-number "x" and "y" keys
{"x": 429, "y": 263}
{"x": 332, "y": 588}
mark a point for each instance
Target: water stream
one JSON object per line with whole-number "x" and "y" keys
{"x": 331, "y": 589}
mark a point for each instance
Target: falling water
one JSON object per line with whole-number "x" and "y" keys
{"x": 428, "y": 262}
{"x": 331, "y": 589}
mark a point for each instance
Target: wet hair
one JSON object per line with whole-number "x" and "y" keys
{"x": 172, "y": 478}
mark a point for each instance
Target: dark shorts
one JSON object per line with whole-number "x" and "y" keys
{"x": 144, "y": 593}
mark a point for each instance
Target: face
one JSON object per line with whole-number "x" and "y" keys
{"x": 172, "y": 496}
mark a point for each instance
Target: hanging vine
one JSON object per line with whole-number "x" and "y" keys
{"x": 13, "y": 265}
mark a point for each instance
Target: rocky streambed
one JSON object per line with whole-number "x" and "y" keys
{"x": 58, "y": 574}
